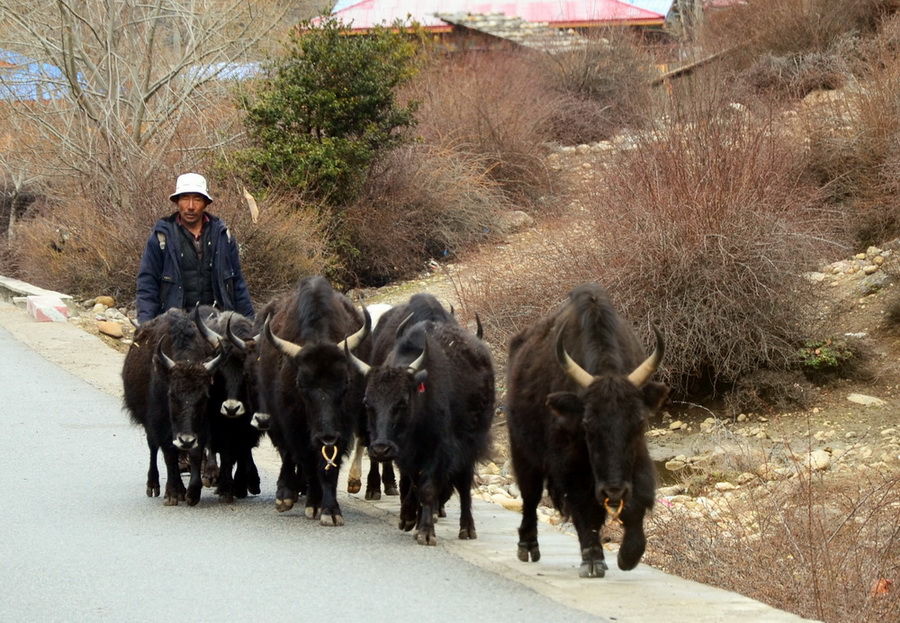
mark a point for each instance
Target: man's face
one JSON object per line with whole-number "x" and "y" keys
{"x": 191, "y": 207}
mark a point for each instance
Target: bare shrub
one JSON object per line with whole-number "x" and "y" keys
{"x": 421, "y": 203}
{"x": 820, "y": 544}
{"x": 854, "y": 145}
{"x": 494, "y": 109}
{"x": 793, "y": 77}
{"x": 789, "y": 27}
{"x": 603, "y": 87}
{"x": 288, "y": 242}
{"x": 703, "y": 229}
{"x": 763, "y": 391}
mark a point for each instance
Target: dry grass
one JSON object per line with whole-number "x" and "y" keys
{"x": 494, "y": 109}
{"x": 821, "y": 544}
{"x": 422, "y": 203}
{"x": 701, "y": 229}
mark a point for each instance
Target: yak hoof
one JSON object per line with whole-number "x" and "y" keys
{"x": 152, "y": 491}
{"x": 467, "y": 533}
{"x": 373, "y": 494}
{"x": 529, "y": 550}
{"x": 391, "y": 489}
{"x": 312, "y": 512}
{"x": 170, "y": 500}
{"x": 226, "y": 498}
{"x": 354, "y": 485}
{"x": 284, "y": 505}
{"x": 592, "y": 569}
{"x": 426, "y": 539}
{"x": 192, "y": 498}
{"x": 407, "y": 524}
{"x": 331, "y": 521}
{"x": 631, "y": 551}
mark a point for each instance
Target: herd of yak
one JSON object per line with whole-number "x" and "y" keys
{"x": 416, "y": 390}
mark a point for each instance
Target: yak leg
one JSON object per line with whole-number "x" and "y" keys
{"x": 373, "y": 480}
{"x": 633, "y": 540}
{"x": 463, "y": 484}
{"x": 428, "y": 502}
{"x": 287, "y": 490}
{"x": 409, "y": 504}
{"x": 531, "y": 485}
{"x": 588, "y": 518}
{"x": 195, "y": 485}
{"x": 354, "y": 478}
{"x": 226, "y": 488}
{"x": 246, "y": 476}
{"x": 388, "y": 478}
{"x": 210, "y": 469}
{"x": 174, "y": 486}
{"x": 153, "y": 471}
{"x": 327, "y": 478}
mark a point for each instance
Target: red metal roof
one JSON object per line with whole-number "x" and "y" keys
{"x": 369, "y": 13}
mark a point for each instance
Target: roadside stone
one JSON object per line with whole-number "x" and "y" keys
{"x": 105, "y": 300}
{"x": 677, "y": 425}
{"x": 112, "y": 329}
{"x": 819, "y": 460}
{"x": 868, "y": 401}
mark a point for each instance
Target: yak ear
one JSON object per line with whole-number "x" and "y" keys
{"x": 568, "y": 410}
{"x": 655, "y": 395}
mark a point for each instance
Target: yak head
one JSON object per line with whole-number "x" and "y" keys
{"x": 611, "y": 414}
{"x": 233, "y": 387}
{"x": 391, "y": 391}
{"x": 323, "y": 382}
{"x": 188, "y": 392}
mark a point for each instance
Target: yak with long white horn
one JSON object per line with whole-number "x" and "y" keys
{"x": 167, "y": 376}
{"x": 579, "y": 397}
{"x": 312, "y": 391}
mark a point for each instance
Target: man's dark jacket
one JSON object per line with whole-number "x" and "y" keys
{"x": 160, "y": 286}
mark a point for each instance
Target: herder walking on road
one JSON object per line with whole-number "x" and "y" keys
{"x": 190, "y": 258}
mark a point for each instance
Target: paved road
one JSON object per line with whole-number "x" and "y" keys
{"x": 80, "y": 541}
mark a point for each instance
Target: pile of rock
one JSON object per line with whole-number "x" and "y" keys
{"x": 101, "y": 314}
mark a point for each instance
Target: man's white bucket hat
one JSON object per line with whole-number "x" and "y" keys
{"x": 190, "y": 183}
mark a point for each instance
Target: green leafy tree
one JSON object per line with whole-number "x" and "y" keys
{"x": 327, "y": 109}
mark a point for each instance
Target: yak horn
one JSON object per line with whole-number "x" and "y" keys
{"x": 416, "y": 365}
{"x": 402, "y": 326}
{"x": 352, "y": 341}
{"x": 234, "y": 339}
{"x": 211, "y": 336}
{"x": 287, "y": 348}
{"x": 210, "y": 365}
{"x": 578, "y": 374}
{"x": 166, "y": 360}
{"x": 644, "y": 371}
{"x": 479, "y": 330}
{"x": 358, "y": 363}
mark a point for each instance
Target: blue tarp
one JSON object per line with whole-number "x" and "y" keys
{"x": 25, "y": 79}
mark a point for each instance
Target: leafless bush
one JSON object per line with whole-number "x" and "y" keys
{"x": 422, "y": 203}
{"x": 820, "y": 544}
{"x": 790, "y": 27}
{"x": 703, "y": 229}
{"x": 854, "y": 145}
{"x": 602, "y": 87}
{"x": 495, "y": 110}
{"x": 793, "y": 77}
{"x": 288, "y": 242}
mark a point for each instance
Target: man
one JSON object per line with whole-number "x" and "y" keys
{"x": 190, "y": 258}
